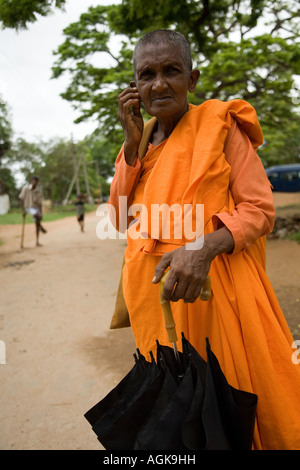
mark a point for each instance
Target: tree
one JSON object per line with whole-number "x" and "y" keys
{"x": 28, "y": 156}
{"x": 94, "y": 88}
{"x": 7, "y": 181}
{"x": 101, "y": 155}
{"x": 269, "y": 86}
{"x": 5, "y": 129}
{"x": 245, "y": 49}
{"x": 15, "y": 14}
{"x": 102, "y": 152}
{"x": 53, "y": 162}
{"x": 8, "y": 185}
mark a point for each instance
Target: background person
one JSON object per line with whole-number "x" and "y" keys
{"x": 31, "y": 198}
{"x": 80, "y": 210}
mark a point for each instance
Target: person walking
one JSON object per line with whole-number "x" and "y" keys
{"x": 31, "y": 198}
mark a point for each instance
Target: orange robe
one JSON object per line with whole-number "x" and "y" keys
{"x": 209, "y": 159}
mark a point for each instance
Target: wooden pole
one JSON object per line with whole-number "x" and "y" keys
{"x": 65, "y": 201}
{"x": 86, "y": 179}
{"x": 98, "y": 180}
{"x": 76, "y": 166}
{"x": 23, "y": 231}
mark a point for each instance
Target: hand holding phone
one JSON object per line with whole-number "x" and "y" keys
{"x": 132, "y": 121}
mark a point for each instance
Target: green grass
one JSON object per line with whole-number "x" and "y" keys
{"x": 14, "y": 216}
{"x": 295, "y": 237}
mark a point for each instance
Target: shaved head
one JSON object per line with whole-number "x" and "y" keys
{"x": 161, "y": 36}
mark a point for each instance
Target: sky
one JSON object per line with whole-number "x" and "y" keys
{"x": 36, "y": 108}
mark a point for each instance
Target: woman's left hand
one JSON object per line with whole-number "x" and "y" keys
{"x": 190, "y": 265}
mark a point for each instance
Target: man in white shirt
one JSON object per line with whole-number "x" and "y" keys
{"x": 31, "y": 198}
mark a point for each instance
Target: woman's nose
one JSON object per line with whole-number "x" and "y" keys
{"x": 159, "y": 82}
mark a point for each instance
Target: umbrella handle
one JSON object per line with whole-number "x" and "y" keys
{"x": 205, "y": 294}
{"x": 168, "y": 315}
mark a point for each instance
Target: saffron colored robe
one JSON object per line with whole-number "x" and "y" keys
{"x": 210, "y": 158}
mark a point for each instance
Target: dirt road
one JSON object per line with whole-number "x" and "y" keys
{"x": 56, "y": 303}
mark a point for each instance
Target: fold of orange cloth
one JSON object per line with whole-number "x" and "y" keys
{"x": 189, "y": 177}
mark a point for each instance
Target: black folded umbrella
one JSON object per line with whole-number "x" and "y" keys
{"x": 162, "y": 430}
{"x": 127, "y": 384}
{"x": 117, "y": 418}
{"x": 179, "y": 402}
{"x": 236, "y": 409}
{"x": 201, "y": 412}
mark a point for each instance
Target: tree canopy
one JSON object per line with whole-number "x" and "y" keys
{"x": 18, "y": 14}
{"x": 5, "y": 129}
{"x": 245, "y": 49}
{"x": 54, "y": 162}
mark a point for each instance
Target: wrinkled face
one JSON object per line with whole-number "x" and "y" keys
{"x": 163, "y": 80}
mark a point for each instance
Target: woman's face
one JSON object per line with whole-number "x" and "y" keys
{"x": 163, "y": 80}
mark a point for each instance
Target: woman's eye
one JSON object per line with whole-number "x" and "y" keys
{"x": 171, "y": 70}
{"x": 146, "y": 74}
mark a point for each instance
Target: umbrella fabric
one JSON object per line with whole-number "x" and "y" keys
{"x": 176, "y": 422}
{"x": 237, "y": 407}
{"x": 227, "y": 414}
{"x": 203, "y": 413}
{"x": 163, "y": 431}
{"x": 171, "y": 406}
{"x": 166, "y": 359}
{"x": 193, "y": 431}
{"x": 119, "y": 416}
{"x": 134, "y": 376}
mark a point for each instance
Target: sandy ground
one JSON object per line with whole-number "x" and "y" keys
{"x": 56, "y": 302}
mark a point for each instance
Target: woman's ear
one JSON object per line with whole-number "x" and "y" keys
{"x": 194, "y": 77}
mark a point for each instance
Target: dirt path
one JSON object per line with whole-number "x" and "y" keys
{"x": 56, "y": 303}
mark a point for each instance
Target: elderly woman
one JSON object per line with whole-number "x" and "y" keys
{"x": 184, "y": 157}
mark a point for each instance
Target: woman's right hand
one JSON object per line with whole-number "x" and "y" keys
{"x": 132, "y": 121}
